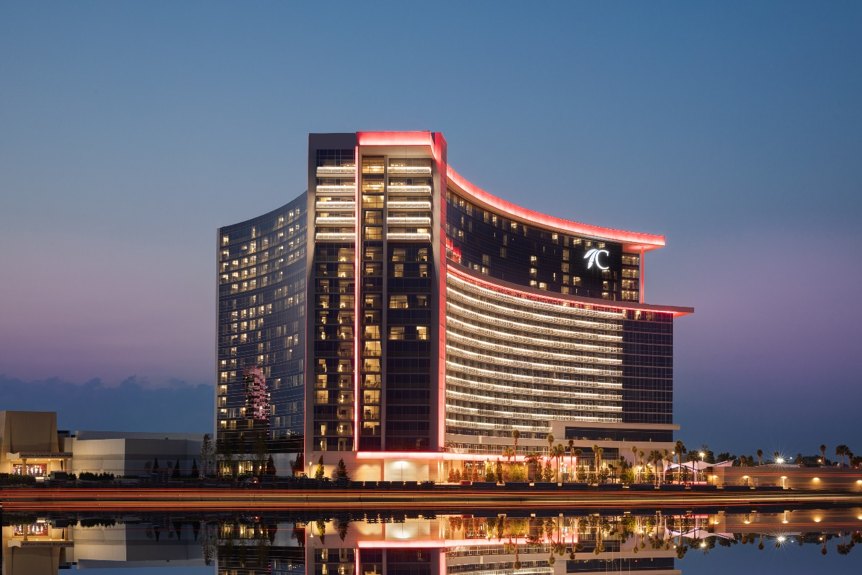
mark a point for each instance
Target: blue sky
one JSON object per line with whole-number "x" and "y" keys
{"x": 130, "y": 131}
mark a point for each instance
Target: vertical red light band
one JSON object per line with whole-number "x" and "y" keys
{"x": 442, "y": 169}
{"x": 641, "y": 274}
{"x": 357, "y": 258}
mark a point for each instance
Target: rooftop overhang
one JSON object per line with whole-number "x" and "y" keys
{"x": 22, "y": 455}
{"x": 632, "y": 241}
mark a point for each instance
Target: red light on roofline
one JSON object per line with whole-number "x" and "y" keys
{"x": 633, "y": 241}
{"x": 394, "y": 138}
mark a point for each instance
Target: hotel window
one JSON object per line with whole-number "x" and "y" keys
{"x": 422, "y": 332}
{"x": 321, "y": 397}
{"x": 373, "y": 233}
{"x": 502, "y": 252}
{"x": 398, "y": 270}
{"x": 372, "y": 331}
{"x": 396, "y": 332}
{"x": 399, "y": 255}
{"x": 565, "y": 255}
{"x": 398, "y": 302}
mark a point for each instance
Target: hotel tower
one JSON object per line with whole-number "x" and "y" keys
{"x": 400, "y": 318}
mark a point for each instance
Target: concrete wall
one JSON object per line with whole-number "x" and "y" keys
{"x": 125, "y": 456}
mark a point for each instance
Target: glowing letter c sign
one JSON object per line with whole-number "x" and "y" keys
{"x": 593, "y": 256}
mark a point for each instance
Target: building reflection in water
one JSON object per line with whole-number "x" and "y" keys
{"x": 397, "y": 544}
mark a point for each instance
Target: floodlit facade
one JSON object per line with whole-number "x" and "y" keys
{"x": 424, "y": 320}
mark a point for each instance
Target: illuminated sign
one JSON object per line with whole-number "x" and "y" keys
{"x": 593, "y": 256}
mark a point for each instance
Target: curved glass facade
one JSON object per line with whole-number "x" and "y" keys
{"x": 261, "y": 331}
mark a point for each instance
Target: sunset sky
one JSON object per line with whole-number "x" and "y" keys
{"x": 130, "y": 131}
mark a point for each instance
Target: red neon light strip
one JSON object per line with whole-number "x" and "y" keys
{"x": 434, "y": 543}
{"x": 436, "y": 456}
{"x": 440, "y": 143}
{"x": 633, "y": 240}
{"x": 357, "y": 258}
{"x": 395, "y": 139}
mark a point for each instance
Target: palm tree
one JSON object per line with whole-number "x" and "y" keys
{"x": 559, "y": 452}
{"x": 823, "y": 454}
{"x": 571, "y": 455}
{"x": 655, "y": 456}
{"x": 515, "y": 436}
{"x": 668, "y": 459}
{"x": 599, "y": 453}
{"x": 641, "y": 457}
{"x": 759, "y": 456}
{"x": 550, "y": 440}
{"x": 680, "y": 450}
{"x": 842, "y": 450}
{"x": 596, "y": 460}
{"x": 578, "y": 452}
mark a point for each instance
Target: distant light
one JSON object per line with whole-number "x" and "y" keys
{"x": 779, "y": 460}
{"x": 782, "y": 538}
{"x": 816, "y": 479}
{"x": 702, "y": 544}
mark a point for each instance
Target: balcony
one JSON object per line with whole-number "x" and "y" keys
{"x": 335, "y": 205}
{"x": 341, "y": 189}
{"x": 409, "y": 236}
{"x": 336, "y": 170}
{"x": 409, "y": 221}
{"x": 419, "y": 190}
{"x": 409, "y": 205}
{"x": 335, "y": 236}
{"x": 335, "y": 221}
{"x": 412, "y": 170}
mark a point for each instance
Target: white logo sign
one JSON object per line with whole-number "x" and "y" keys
{"x": 594, "y": 254}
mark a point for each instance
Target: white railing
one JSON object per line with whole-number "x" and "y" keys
{"x": 527, "y": 328}
{"x": 335, "y": 236}
{"x": 422, "y": 190}
{"x": 534, "y": 391}
{"x": 532, "y": 340}
{"x": 425, "y": 170}
{"x": 501, "y": 361}
{"x": 408, "y": 220}
{"x": 335, "y": 220}
{"x": 409, "y": 236}
{"x": 559, "y": 308}
{"x": 508, "y": 349}
{"x": 530, "y": 404}
{"x": 337, "y": 190}
{"x": 502, "y": 375}
{"x": 336, "y": 205}
{"x": 506, "y": 310}
{"x": 497, "y": 426}
{"x": 335, "y": 170}
{"x": 397, "y": 205}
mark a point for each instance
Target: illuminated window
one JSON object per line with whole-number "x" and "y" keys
{"x": 397, "y": 302}
{"x": 396, "y": 332}
{"x": 421, "y": 332}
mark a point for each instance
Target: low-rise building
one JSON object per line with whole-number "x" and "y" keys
{"x": 31, "y": 445}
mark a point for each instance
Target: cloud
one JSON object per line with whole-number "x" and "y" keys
{"x": 131, "y": 406}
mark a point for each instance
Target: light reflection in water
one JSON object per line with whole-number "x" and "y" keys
{"x": 348, "y": 544}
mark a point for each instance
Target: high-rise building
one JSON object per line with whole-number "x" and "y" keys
{"x": 409, "y": 322}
